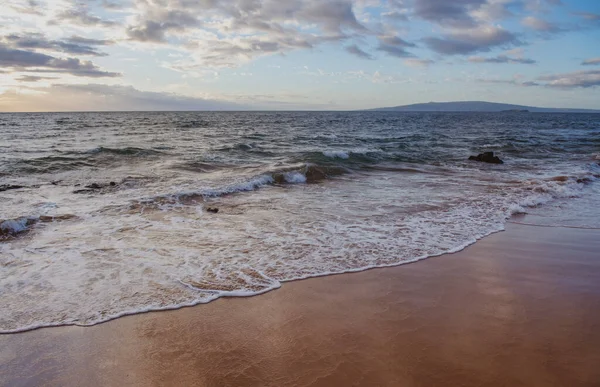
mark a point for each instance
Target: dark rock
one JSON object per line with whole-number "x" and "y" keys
{"x": 55, "y": 182}
{"x": 6, "y": 187}
{"x": 79, "y": 191}
{"x": 212, "y": 209}
{"x": 314, "y": 174}
{"x": 93, "y": 186}
{"x": 112, "y": 183}
{"x": 584, "y": 180}
{"x": 487, "y": 157}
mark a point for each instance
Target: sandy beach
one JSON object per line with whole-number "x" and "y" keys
{"x": 518, "y": 308}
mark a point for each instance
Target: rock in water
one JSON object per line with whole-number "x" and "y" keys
{"x": 6, "y": 187}
{"x": 212, "y": 209}
{"x": 487, "y": 157}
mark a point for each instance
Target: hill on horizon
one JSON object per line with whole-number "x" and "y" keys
{"x": 477, "y": 106}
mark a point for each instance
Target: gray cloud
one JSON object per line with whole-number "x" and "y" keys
{"x": 155, "y": 22}
{"x": 23, "y": 60}
{"x": 355, "y": 50}
{"x": 501, "y": 59}
{"x": 395, "y": 16}
{"x": 32, "y": 8}
{"x": 162, "y": 22}
{"x": 112, "y": 6}
{"x": 36, "y": 41}
{"x": 33, "y": 78}
{"x": 81, "y": 16}
{"x": 583, "y": 79}
{"x": 514, "y": 82}
{"x": 332, "y": 16}
{"x": 236, "y": 31}
{"x": 395, "y": 46}
{"x": 591, "y": 61}
{"x": 455, "y": 13}
{"x": 472, "y": 41}
{"x": 90, "y": 42}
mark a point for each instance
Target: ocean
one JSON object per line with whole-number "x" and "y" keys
{"x": 108, "y": 214}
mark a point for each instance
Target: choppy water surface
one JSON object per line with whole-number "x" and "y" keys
{"x": 112, "y": 215}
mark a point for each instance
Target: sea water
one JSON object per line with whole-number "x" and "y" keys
{"x": 111, "y": 217}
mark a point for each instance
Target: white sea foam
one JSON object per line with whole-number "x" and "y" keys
{"x": 116, "y": 261}
{"x": 337, "y": 154}
{"x": 294, "y": 177}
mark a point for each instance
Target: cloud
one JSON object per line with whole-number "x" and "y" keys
{"x": 415, "y": 62}
{"x": 355, "y": 50}
{"x": 572, "y": 80}
{"x": 233, "y": 32}
{"x": 583, "y": 79}
{"x": 160, "y": 23}
{"x": 22, "y": 60}
{"x": 37, "y": 41}
{"x": 480, "y": 39}
{"x": 514, "y": 82}
{"x": 501, "y": 59}
{"x": 493, "y": 10}
{"x": 80, "y": 16}
{"x": 394, "y": 46}
{"x": 588, "y": 16}
{"x": 540, "y": 25}
{"x": 395, "y": 16}
{"x": 112, "y": 6}
{"x": 97, "y": 97}
{"x": 455, "y": 13}
{"x": 31, "y": 7}
{"x": 90, "y": 42}
{"x": 591, "y": 61}
{"x": 33, "y": 78}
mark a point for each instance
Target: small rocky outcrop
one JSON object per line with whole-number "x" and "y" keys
{"x": 93, "y": 187}
{"x": 487, "y": 157}
{"x": 213, "y": 210}
{"x": 6, "y": 187}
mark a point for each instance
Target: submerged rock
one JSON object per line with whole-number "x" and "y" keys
{"x": 487, "y": 157}
{"x": 214, "y": 210}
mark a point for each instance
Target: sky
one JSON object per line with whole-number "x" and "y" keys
{"x": 96, "y": 55}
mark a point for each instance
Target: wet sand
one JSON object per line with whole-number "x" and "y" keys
{"x": 518, "y": 308}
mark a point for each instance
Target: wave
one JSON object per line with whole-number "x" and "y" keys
{"x": 126, "y": 151}
{"x": 199, "y": 166}
{"x": 73, "y": 160}
{"x": 297, "y": 174}
{"x": 246, "y": 148}
{"x": 192, "y": 124}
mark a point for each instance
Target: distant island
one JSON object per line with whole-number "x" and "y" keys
{"x": 478, "y": 106}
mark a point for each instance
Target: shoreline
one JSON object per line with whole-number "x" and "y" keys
{"x": 521, "y": 307}
{"x": 235, "y": 294}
